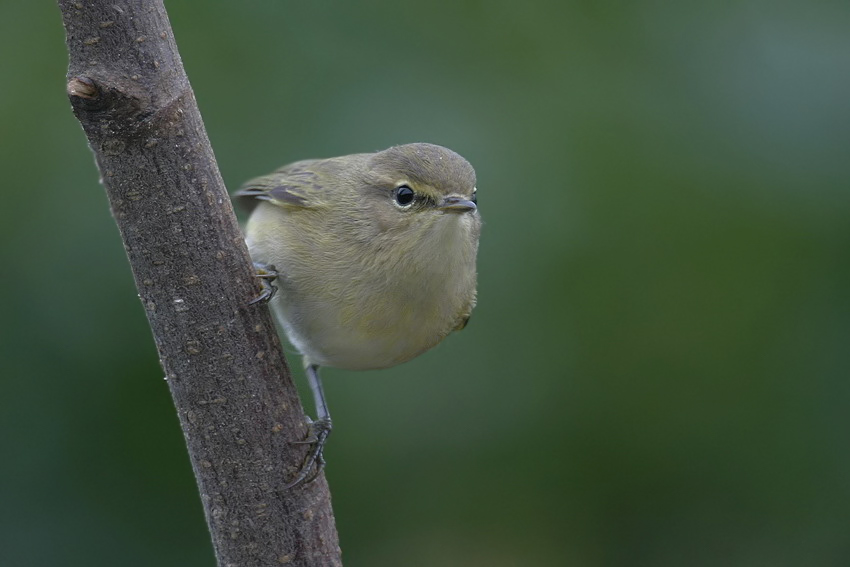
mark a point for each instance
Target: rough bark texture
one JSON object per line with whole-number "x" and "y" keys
{"x": 222, "y": 358}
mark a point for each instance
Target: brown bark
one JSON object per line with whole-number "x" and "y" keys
{"x": 222, "y": 358}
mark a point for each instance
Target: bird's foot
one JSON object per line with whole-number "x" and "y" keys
{"x": 317, "y": 436}
{"x": 266, "y": 274}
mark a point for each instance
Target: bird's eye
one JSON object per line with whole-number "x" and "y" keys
{"x": 474, "y": 198}
{"x": 404, "y": 196}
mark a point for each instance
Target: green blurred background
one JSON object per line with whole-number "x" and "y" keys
{"x": 656, "y": 374}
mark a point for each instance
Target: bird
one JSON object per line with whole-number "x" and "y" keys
{"x": 368, "y": 260}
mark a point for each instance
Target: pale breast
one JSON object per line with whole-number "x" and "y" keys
{"x": 376, "y": 306}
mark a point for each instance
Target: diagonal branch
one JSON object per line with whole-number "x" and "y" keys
{"x": 231, "y": 387}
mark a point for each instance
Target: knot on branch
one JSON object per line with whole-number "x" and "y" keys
{"x": 82, "y": 87}
{"x": 94, "y": 99}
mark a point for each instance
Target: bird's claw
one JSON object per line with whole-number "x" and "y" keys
{"x": 314, "y": 462}
{"x": 266, "y": 274}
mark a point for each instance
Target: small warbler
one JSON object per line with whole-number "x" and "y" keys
{"x": 373, "y": 255}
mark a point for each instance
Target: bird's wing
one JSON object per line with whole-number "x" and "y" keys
{"x": 292, "y": 185}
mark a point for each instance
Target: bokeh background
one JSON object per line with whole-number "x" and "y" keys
{"x": 657, "y": 372}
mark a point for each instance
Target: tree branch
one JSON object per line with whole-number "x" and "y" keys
{"x": 222, "y": 358}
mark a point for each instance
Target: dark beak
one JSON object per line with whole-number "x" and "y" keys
{"x": 456, "y": 205}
